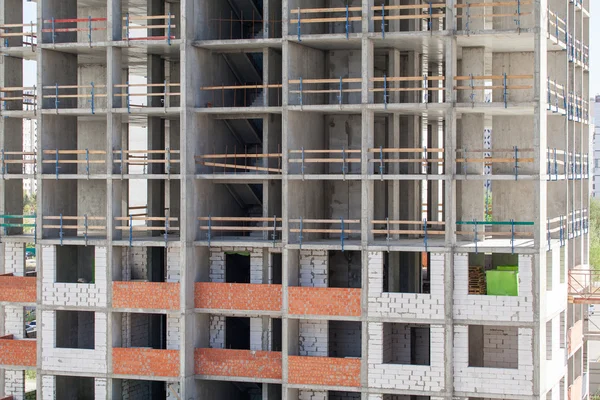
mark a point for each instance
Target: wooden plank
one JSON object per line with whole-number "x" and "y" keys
{"x": 492, "y": 160}
{"x": 323, "y": 10}
{"x": 329, "y": 19}
{"x": 405, "y": 89}
{"x": 325, "y": 221}
{"x": 235, "y": 166}
{"x": 407, "y": 78}
{"x": 406, "y": 160}
{"x": 493, "y": 15}
{"x": 404, "y": 17}
{"x": 406, "y": 150}
{"x": 325, "y": 231}
{"x": 406, "y": 232}
{"x": 237, "y": 155}
{"x": 493, "y": 150}
{"x": 240, "y": 228}
{"x": 326, "y": 160}
{"x": 327, "y": 91}
{"x": 409, "y": 7}
{"x": 269, "y": 86}
{"x": 491, "y": 77}
{"x": 400, "y": 222}
{"x": 313, "y": 151}
{"x": 495, "y": 4}
{"x": 240, "y": 219}
{"x": 327, "y": 80}
{"x": 147, "y": 17}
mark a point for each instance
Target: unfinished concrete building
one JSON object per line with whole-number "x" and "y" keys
{"x": 296, "y": 199}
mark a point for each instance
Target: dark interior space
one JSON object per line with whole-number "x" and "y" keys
{"x": 276, "y": 340}
{"x": 345, "y": 339}
{"x": 75, "y": 329}
{"x": 345, "y": 269}
{"x": 406, "y": 272}
{"x": 75, "y": 264}
{"x": 237, "y": 268}
{"x": 277, "y": 263}
{"x": 410, "y": 344}
{"x": 148, "y": 330}
{"x": 237, "y": 333}
{"x": 74, "y": 388}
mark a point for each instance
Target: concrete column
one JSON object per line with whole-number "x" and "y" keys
{"x": 473, "y": 63}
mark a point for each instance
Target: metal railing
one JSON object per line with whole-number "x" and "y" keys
{"x": 469, "y": 12}
{"x": 27, "y": 33}
{"x": 236, "y": 162}
{"x": 268, "y": 228}
{"x": 79, "y": 225}
{"x": 514, "y": 158}
{"x": 342, "y": 227}
{"x": 305, "y": 158}
{"x": 319, "y": 89}
{"x": 7, "y": 221}
{"x": 146, "y": 158}
{"x": 167, "y": 94}
{"x": 487, "y": 83}
{"x": 426, "y": 14}
{"x": 65, "y": 94}
{"x": 391, "y": 87}
{"x": 252, "y": 95}
{"x": 133, "y": 23}
{"x": 22, "y": 158}
{"x": 23, "y": 96}
{"x": 146, "y": 225}
{"x": 63, "y": 158}
{"x": 54, "y": 26}
{"x": 510, "y": 229}
{"x": 394, "y": 229}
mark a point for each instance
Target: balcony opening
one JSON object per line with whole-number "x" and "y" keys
{"x": 142, "y": 264}
{"x": 237, "y": 333}
{"x": 336, "y": 395}
{"x": 30, "y": 323}
{"x": 143, "y": 330}
{"x": 494, "y": 274}
{"x": 408, "y": 344}
{"x": 74, "y": 387}
{"x": 238, "y": 390}
{"x": 237, "y": 267}
{"x": 276, "y": 335}
{"x": 75, "y": 264}
{"x": 345, "y": 269}
{"x": 140, "y": 389}
{"x": 276, "y": 262}
{"x": 75, "y": 329}
{"x": 406, "y": 272}
{"x": 493, "y": 346}
{"x": 344, "y": 339}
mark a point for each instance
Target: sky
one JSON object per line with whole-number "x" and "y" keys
{"x": 30, "y": 11}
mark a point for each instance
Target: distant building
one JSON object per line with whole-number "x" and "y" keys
{"x": 596, "y": 147}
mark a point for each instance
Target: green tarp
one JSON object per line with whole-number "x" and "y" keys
{"x": 502, "y": 282}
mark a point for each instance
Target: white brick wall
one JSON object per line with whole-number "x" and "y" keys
{"x": 405, "y": 377}
{"x": 311, "y": 395}
{"x": 100, "y": 390}
{"x": 256, "y": 334}
{"x": 14, "y": 384}
{"x": 314, "y": 266}
{"x": 313, "y": 337}
{"x": 173, "y": 264}
{"x": 500, "y": 347}
{"x": 217, "y": 263}
{"x": 493, "y": 381}
{"x": 135, "y": 263}
{"x": 48, "y": 387}
{"x": 173, "y": 387}
{"x": 406, "y": 305}
{"x": 74, "y": 294}
{"x": 73, "y": 360}
{"x": 173, "y": 332}
{"x": 468, "y": 307}
{"x": 14, "y": 258}
{"x": 14, "y": 323}
{"x": 217, "y": 332}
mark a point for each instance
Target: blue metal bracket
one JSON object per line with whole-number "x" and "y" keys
{"x": 301, "y": 95}
{"x": 381, "y": 168}
{"x": 516, "y": 163}
{"x": 464, "y": 164}
{"x": 56, "y": 166}
{"x": 512, "y": 236}
{"x": 169, "y": 29}
{"x": 168, "y": 166}
{"x": 56, "y": 101}
{"x": 130, "y": 230}
{"x": 472, "y": 84}
{"x": 382, "y": 20}
{"x": 468, "y": 23}
{"x": 6, "y": 30}
{"x": 166, "y": 94}
{"x": 385, "y": 95}
{"x": 425, "y": 87}
{"x": 548, "y": 162}
{"x": 121, "y": 164}
{"x": 3, "y": 165}
{"x": 87, "y": 163}
{"x": 90, "y": 29}
{"x": 299, "y": 29}
{"x": 340, "y": 95}
{"x": 505, "y": 91}
{"x": 53, "y": 31}
{"x": 430, "y": 23}
{"x": 555, "y": 165}
{"x": 85, "y": 226}
{"x": 301, "y": 233}
{"x": 93, "y": 94}
{"x": 342, "y": 233}
{"x": 561, "y": 232}
{"x": 347, "y": 23}
{"x": 60, "y": 232}
{"x": 166, "y": 229}
{"x": 518, "y": 19}
{"x": 127, "y": 26}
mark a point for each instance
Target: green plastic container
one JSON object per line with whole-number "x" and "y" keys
{"x": 508, "y": 268}
{"x": 502, "y": 283}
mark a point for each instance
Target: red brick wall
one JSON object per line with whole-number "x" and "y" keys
{"x": 6, "y": 398}
{"x": 145, "y": 362}
{"x": 239, "y": 363}
{"x": 324, "y": 301}
{"x": 18, "y": 352}
{"x": 238, "y": 296}
{"x": 147, "y": 295}
{"x": 326, "y": 371}
{"x": 17, "y": 289}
